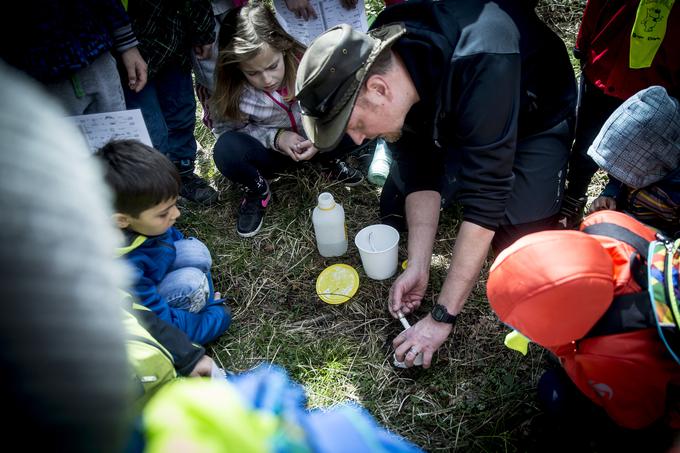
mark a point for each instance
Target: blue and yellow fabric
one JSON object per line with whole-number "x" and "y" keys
{"x": 261, "y": 411}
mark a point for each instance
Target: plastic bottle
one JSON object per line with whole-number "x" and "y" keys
{"x": 329, "y": 226}
{"x": 380, "y": 165}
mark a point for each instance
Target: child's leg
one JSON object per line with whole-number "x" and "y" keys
{"x": 187, "y": 285}
{"x": 244, "y": 160}
{"x": 93, "y": 89}
{"x": 192, "y": 253}
{"x": 187, "y": 288}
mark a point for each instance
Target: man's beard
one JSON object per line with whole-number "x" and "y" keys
{"x": 392, "y": 137}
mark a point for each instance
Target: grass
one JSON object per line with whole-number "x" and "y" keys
{"x": 478, "y": 395}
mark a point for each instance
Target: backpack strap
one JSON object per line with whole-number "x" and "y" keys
{"x": 622, "y": 234}
{"x": 627, "y": 312}
{"x": 638, "y": 264}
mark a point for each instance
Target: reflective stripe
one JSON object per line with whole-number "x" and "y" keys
{"x": 648, "y": 31}
{"x": 517, "y": 342}
{"x": 139, "y": 240}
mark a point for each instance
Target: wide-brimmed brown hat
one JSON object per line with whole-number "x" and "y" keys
{"x": 330, "y": 76}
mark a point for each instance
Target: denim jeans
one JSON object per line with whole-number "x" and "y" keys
{"x": 188, "y": 285}
{"x": 169, "y": 109}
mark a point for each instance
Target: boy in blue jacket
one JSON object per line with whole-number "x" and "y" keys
{"x": 171, "y": 272}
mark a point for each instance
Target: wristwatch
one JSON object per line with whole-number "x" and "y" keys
{"x": 440, "y": 314}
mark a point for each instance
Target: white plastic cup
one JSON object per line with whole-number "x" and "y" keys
{"x": 378, "y": 247}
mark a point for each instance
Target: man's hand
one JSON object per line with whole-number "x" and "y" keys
{"x": 601, "y": 203}
{"x": 203, "y": 367}
{"x": 301, "y": 8}
{"x": 136, "y": 69}
{"x": 203, "y": 52}
{"x": 407, "y": 291}
{"x": 425, "y": 337}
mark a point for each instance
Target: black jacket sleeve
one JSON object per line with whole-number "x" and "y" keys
{"x": 185, "y": 353}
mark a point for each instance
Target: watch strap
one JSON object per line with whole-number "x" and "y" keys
{"x": 440, "y": 314}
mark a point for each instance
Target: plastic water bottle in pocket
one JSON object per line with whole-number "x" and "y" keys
{"x": 380, "y": 165}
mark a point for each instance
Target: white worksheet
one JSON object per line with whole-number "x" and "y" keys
{"x": 329, "y": 14}
{"x": 100, "y": 128}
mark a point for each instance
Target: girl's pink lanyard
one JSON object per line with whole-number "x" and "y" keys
{"x": 285, "y": 107}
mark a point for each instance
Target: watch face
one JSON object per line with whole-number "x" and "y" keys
{"x": 438, "y": 313}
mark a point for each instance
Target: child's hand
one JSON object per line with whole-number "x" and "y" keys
{"x": 136, "y": 69}
{"x": 288, "y": 144}
{"x": 306, "y": 150}
{"x": 301, "y": 8}
{"x": 203, "y": 367}
{"x": 218, "y": 298}
{"x": 348, "y": 4}
{"x": 601, "y": 203}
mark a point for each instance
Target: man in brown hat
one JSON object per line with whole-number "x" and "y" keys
{"x": 477, "y": 96}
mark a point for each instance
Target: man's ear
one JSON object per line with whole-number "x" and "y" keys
{"x": 122, "y": 220}
{"x": 378, "y": 86}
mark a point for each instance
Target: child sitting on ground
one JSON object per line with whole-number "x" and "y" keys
{"x": 639, "y": 147}
{"x": 171, "y": 273}
{"x": 261, "y": 131}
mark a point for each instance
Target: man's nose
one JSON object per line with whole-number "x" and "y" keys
{"x": 356, "y": 137}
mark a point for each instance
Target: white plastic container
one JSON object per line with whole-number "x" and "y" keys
{"x": 379, "y": 250}
{"x": 329, "y": 226}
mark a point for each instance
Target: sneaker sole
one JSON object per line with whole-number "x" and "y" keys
{"x": 251, "y": 233}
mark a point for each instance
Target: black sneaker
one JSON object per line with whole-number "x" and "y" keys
{"x": 196, "y": 189}
{"x": 251, "y": 213}
{"x": 345, "y": 174}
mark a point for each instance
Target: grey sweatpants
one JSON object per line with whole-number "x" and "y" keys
{"x": 94, "y": 89}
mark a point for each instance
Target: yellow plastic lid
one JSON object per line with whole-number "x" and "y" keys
{"x": 337, "y": 284}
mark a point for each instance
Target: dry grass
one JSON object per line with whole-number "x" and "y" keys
{"x": 478, "y": 396}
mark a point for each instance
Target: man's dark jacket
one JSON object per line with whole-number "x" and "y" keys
{"x": 488, "y": 73}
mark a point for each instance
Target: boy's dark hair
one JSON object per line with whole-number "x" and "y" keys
{"x": 140, "y": 176}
